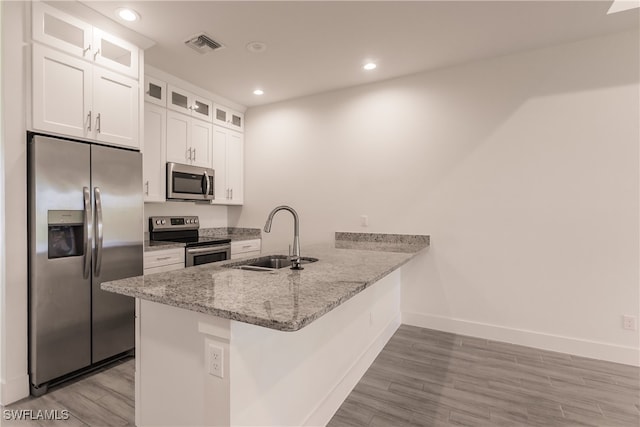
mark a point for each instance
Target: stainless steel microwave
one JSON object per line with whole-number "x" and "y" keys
{"x": 185, "y": 182}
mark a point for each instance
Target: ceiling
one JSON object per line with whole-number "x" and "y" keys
{"x": 318, "y": 46}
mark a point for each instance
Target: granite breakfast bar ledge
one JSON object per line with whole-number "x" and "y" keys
{"x": 224, "y": 346}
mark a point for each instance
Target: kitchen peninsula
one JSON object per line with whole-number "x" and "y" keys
{"x": 219, "y": 345}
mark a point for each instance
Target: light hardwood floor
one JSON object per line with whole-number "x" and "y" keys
{"x": 430, "y": 378}
{"x": 421, "y": 378}
{"x": 101, "y": 399}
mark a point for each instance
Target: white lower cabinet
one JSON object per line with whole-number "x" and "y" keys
{"x": 75, "y": 98}
{"x": 189, "y": 140}
{"x": 154, "y": 153}
{"x": 228, "y": 162}
{"x": 245, "y": 248}
{"x": 163, "y": 260}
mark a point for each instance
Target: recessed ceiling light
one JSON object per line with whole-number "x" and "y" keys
{"x": 256, "y": 47}
{"x": 127, "y": 14}
{"x": 369, "y": 66}
{"x": 258, "y": 92}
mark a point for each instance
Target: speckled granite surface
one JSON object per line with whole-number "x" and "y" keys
{"x": 407, "y": 243}
{"x": 284, "y": 299}
{"x": 234, "y": 233}
{"x": 152, "y": 245}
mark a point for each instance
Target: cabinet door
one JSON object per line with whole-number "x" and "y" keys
{"x": 235, "y": 167}
{"x": 61, "y": 92}
{"x": 155, "y": 91}
{"x": 188, "y": 103}
{"x": 179, "y": 100}
{"x": 154, "y": 153}
{"x": 201, "y": 108}
{"x": 201, "y": 143}
{"x": 220, "y": 165}
{"x": 62, "y": 31}
{"x": 115, "y": 108}
{"x": 178, "y": 137}
{"x": 228, "y": 117}
{"x": 114, "y": 53}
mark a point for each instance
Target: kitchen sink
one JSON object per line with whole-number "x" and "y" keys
{"x": 268, "y": 263}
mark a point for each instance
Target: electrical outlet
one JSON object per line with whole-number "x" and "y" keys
{"x": 364, "y": 220}
{"x": 629, "y": 322}
{"x": 215, "y": 360}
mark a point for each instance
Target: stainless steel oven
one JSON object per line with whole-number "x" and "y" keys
{"x": 206, "y": 254}
{"x": 199, "y": 249}
{"x": 185, "y": 182}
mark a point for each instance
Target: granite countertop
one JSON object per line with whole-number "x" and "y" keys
{"x": 283, "y": 299}
{"x": 234, "y": 233}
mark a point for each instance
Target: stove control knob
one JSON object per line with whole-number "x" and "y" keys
{"x": 163, "y": 222}
{"x": 189, "y": 221}
{"x": 195, "y": 220}
{"x": 157, "y": 222}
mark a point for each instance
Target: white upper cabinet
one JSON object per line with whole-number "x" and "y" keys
{"x": 61, "y": 93}
{"x": 189, "y": 140}
{"x": 115, "y": 105}
{"x": 228, "y": 162}
{"x": 228, "y": 118}
{"x": 155, "y": 91}
{"x": 72, "y": 97}
{"x": 114, "y": 53}
{"x": 62, "y": 31}
{"x": 67, "y": 33}
{"x": 188, "y": 103}
{"x": 154, "y": 153}
{"x": 85, "y": 81}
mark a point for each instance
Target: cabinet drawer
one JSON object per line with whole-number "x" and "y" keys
{"x": 163, "y": 257}
{"x": 163, "y": 269}
{"x": 244, "y": 246}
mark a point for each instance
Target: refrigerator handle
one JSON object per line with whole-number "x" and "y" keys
{"x": 99, "y": 236}
{"x": 87, "y": 232}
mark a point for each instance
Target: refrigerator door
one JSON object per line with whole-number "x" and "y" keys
{"x": 116, "y": 178}
{"x": 60, "y": 225}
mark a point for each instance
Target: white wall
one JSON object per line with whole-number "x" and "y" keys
{"x": 13, "y": 309}
{"x": 523, "y": 169}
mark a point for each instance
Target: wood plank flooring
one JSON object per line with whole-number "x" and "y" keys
{"x": 424, "y": 377}
{"x": 101, "y": 399}
{"x": 421, "y": 378}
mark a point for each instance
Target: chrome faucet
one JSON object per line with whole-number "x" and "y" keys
{"x": 295, "y": 256}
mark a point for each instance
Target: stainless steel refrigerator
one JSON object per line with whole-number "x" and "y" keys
{"x": 85, "y": 228}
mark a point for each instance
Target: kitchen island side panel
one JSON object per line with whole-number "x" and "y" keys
{"x": 270, "y": 377}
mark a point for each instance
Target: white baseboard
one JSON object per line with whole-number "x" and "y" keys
{"x": 14, "y": 389}
{"x": 579, "y": 347}
{"x": 323, "y": 413}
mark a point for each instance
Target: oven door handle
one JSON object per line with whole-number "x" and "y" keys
{"x": 212, "y": 249}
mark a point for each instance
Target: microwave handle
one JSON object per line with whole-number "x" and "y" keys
{"x": 208, "y": 184}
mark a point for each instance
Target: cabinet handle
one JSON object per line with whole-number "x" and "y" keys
{"x": 89, "y": 121}
{"x": 188, "y": 156}
{"x": 163, "y": 258}
{"x": 147, "y": 185}
{"x": 231, "y": 194}
{"x": 194, "y": 154}
{"x": 95, "y": 55}
{"x": 227, "y": 194}
{"x": 84, "y": 51}
{"x": 98, "y": 123}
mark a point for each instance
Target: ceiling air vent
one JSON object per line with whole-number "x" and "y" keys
{"x": 202, "y": 43}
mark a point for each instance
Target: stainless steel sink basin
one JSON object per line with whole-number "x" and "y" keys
{"x": 268, "y": 263}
